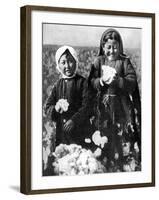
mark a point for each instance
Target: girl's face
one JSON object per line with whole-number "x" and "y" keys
{"x": 67, "y": 64}
{"x": 111, "y": 49}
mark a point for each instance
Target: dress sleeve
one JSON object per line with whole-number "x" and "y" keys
{"x": 128, "y": 82}
{"x": 84, "y": 111}
{"x": 49, "y": 106}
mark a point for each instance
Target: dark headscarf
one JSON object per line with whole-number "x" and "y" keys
{"x": 104, "y": 38}
{"x": 114, "y": 34}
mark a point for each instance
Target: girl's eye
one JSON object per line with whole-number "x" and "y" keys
{"x": 63, "y": 62}
{"x": 70, "y": 63}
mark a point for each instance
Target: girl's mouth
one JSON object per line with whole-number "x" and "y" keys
{"x": 68, "y": 71}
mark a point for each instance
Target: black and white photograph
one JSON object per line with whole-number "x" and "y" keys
{"x": 91, "y": 97}
{"x": 87, "y": 117}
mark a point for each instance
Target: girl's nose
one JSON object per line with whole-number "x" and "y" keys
{"x": 67, "y": 65}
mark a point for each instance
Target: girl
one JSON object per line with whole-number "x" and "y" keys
{"x": 113, "y": 82}
{"x": 64, "y": 105}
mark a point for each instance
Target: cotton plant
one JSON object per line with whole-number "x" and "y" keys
{"x": 99, "y": 141}
{"x": 98, "y": 152}
{"x": 46, "y": 153}
{"x": 47, "y": 142}
{"x": 126, "y": 148}
{"x": 75, "y": 160}
{"x": 136, "y": 148}
{"x": 130, "y": 165}
{"x": 131, "y": 161}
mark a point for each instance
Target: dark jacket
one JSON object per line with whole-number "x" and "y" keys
{"x": 74, "y": 90}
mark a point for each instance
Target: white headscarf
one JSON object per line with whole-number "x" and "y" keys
{"x": 58, "y": 55}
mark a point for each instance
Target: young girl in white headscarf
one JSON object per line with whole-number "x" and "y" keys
{"x": 64, "y": 105}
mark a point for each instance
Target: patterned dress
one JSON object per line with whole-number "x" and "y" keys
{"x": 117, "y": 108}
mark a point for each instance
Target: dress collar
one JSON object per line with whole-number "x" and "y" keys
{"x": 68, "y": 77}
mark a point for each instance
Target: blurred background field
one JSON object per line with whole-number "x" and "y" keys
{"x": 86, "y": 56}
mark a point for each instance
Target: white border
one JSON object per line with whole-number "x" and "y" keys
{"x": 39, "y": 182}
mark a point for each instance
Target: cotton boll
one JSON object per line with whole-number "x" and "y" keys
{"x": 116, "y": 156}
{"x": 56, "y": 167}
{"x": 75, "y": 160}
{"x": 57, "y": 106}
{"x": 108, "y": 73}
{"x": 96, "y": 138}
{"x": 92, "y": 165}
{"x": 73, "y": 172}
{"x": 74, "y": 148}
{"x": 46, "y": 152}
{"x": 89, "y": 152}
{"x": 72, "y": 159}
{"x": 87, "y": 140}
{"x": 81, "y": 173}
{"x": 86, "y": 169}
{"x": 126, "y": 148}
{"x": 104, "y": 140}
{"x": 64, "y": 164}
{"x": 136, "y": 148}
{"x": 97, "y": 152}
{"x": 83, "y": 159}
{"x": 80, "y": 168}
{"x": 79, "y": 163}
{"x": 132, "y": 164}
{"x": 75, "y": 155}
{"x": 108, "y": 70}
{"x": 63, "y": 104}
{"x": 126, "y": 168}
{"x": 72, "y": 164}
{"x": 61, "y": 151}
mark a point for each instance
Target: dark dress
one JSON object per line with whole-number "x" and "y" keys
{"x": 74, "y": 90}
{"x": 116, "y": 106}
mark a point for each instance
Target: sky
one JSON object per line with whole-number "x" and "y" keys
{"x": 75, "y": 35}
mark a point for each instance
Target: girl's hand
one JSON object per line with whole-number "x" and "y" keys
{"x": 114, "y": 78}
{"x": 68, "y": 126}
{"x": 109, "y": 79}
